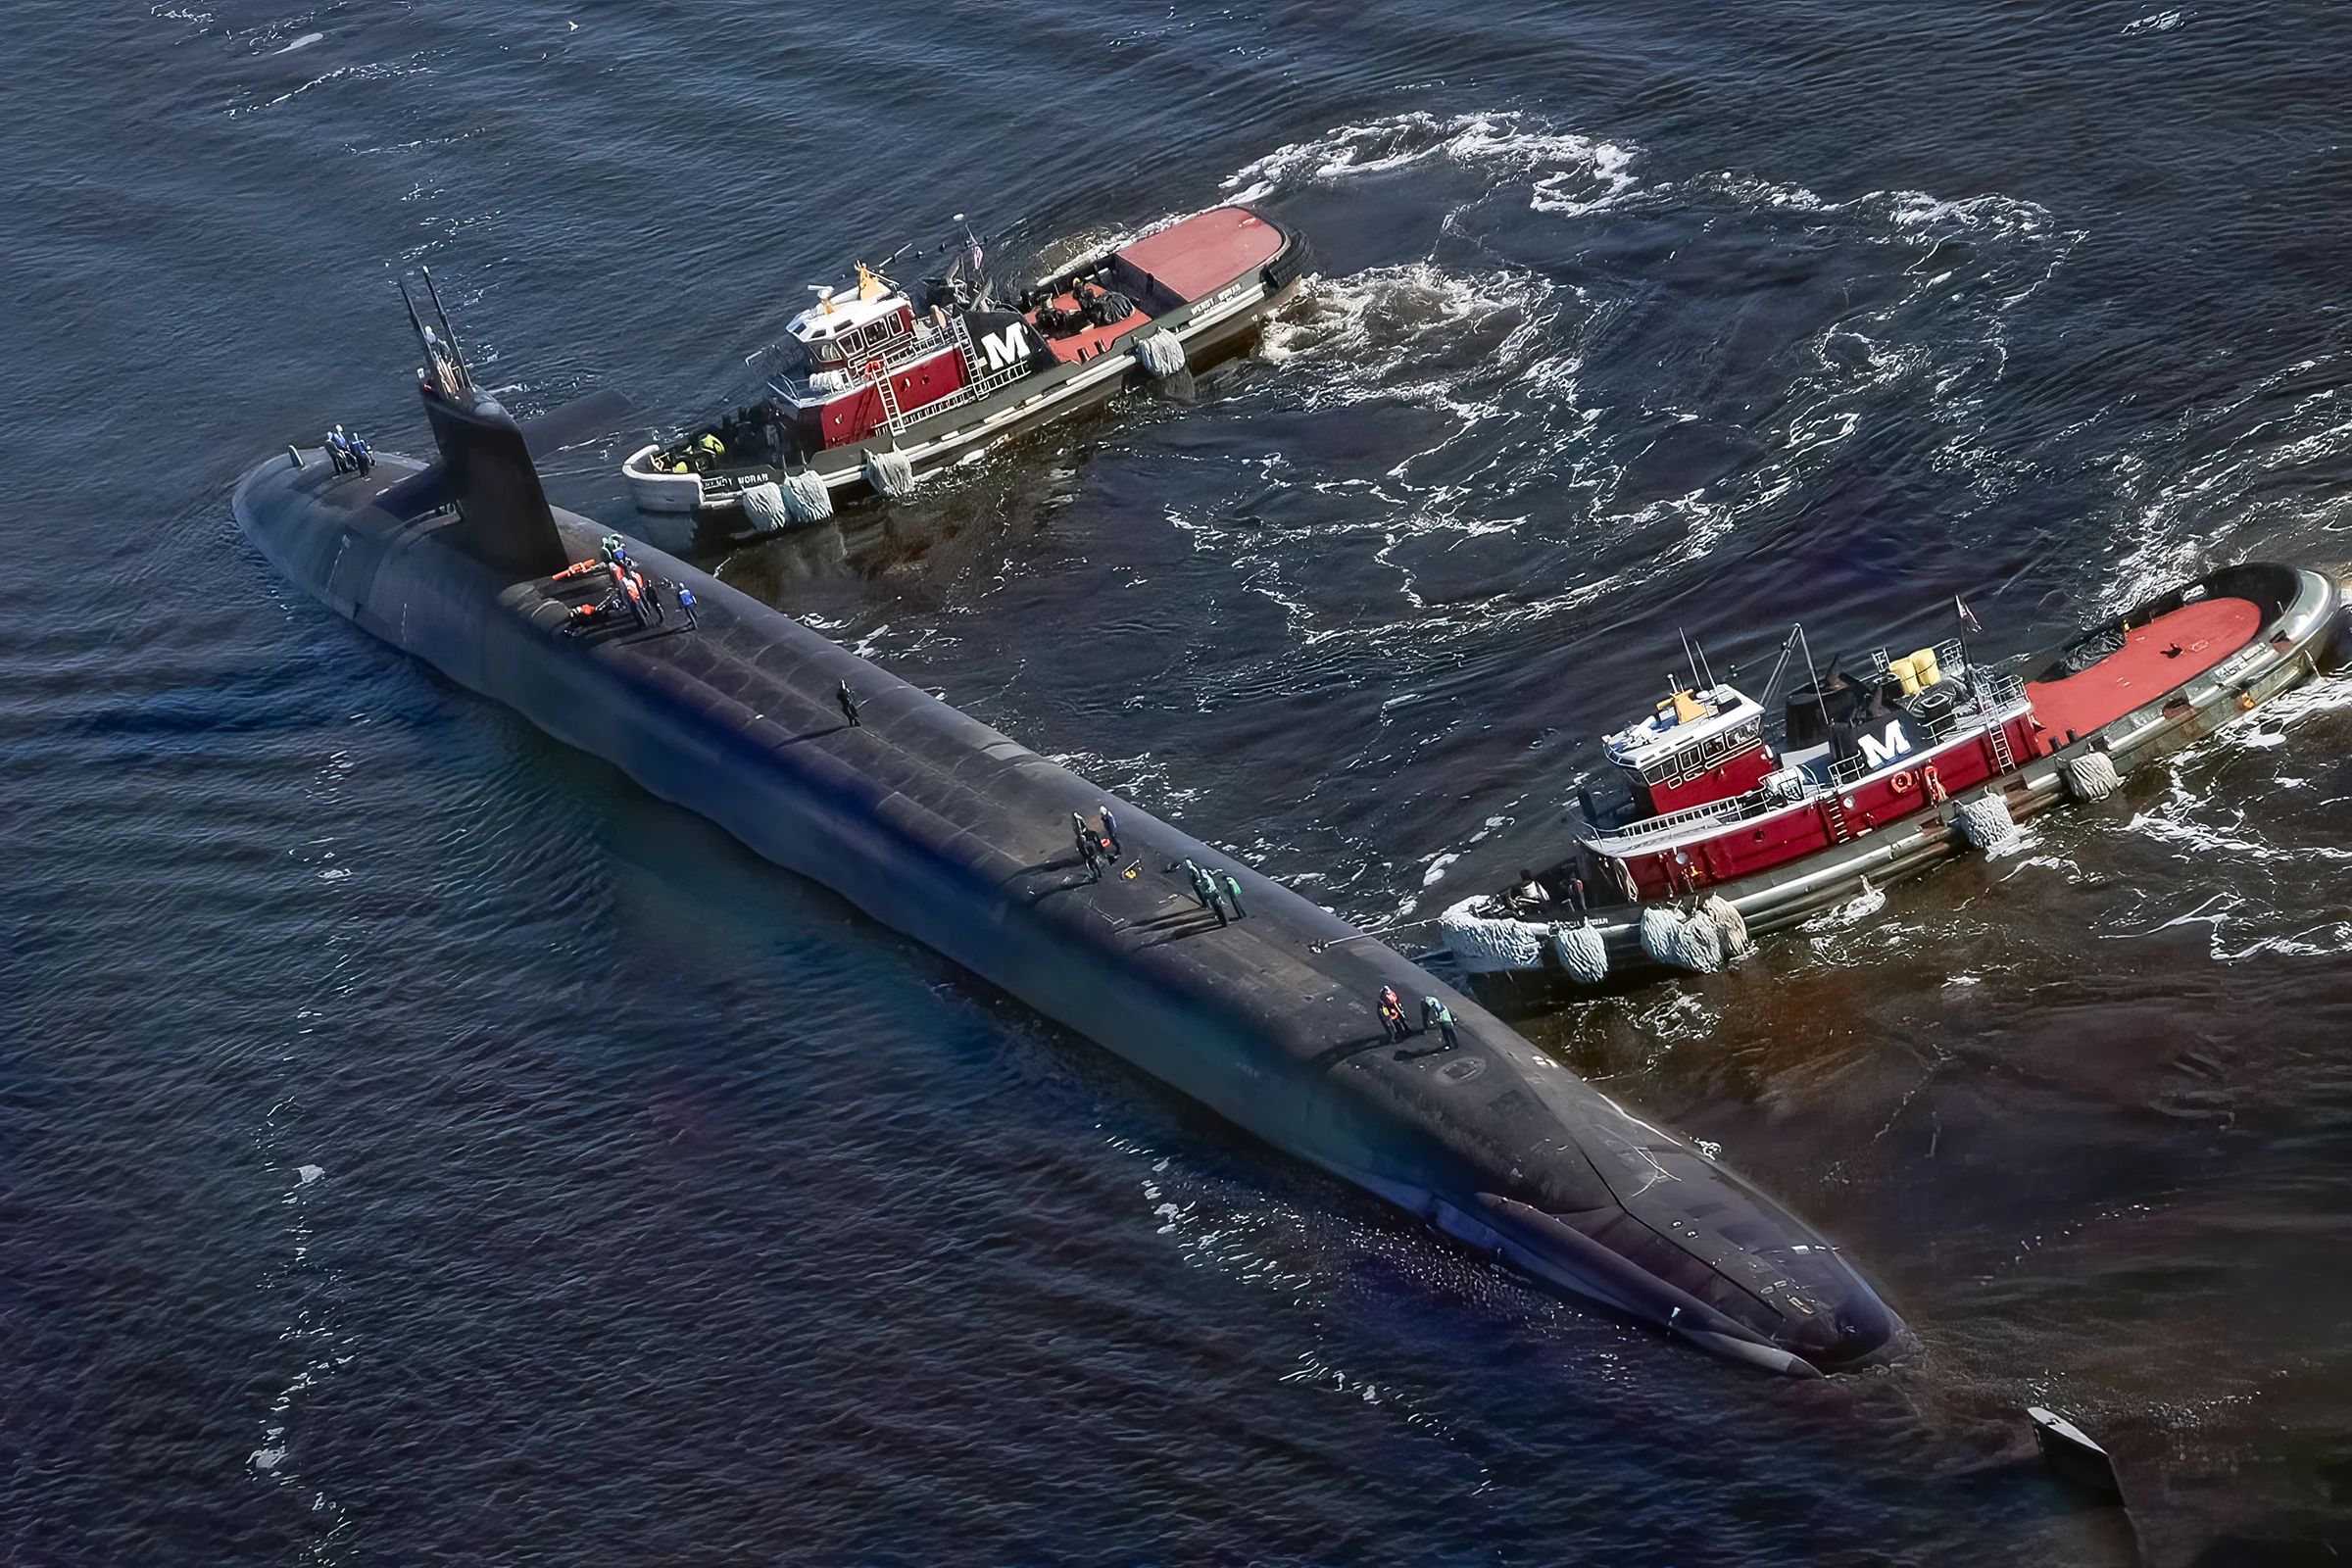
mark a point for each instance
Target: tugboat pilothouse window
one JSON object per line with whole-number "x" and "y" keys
{"x": 787, "y": 358}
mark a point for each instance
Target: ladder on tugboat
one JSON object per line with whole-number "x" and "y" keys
{"x": 891, "y": 412}
{"x": 1998, "y": 736}
{"x": 1833, "y": 817}
{"x": 973, "y": 371}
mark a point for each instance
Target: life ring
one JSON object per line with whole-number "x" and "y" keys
{"x": 872, "y": 369}
{"x": 1905, "y": 782}
{"x": 1934, "y": 785}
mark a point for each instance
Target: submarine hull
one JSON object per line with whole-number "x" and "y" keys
{"x": 944, "y": 829}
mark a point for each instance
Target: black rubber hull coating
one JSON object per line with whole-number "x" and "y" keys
{"x": 944, "y": 829}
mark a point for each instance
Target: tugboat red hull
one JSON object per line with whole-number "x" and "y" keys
{"x": 2169, "y": 672}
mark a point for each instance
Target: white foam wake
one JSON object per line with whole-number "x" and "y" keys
{"x": 1491, "y": 142}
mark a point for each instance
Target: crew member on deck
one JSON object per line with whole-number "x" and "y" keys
{"x": 1193, "y": 874}
{"x": 1213, "y": 897}
{"x": 849, "y": 704}
{"x": 1433, "y": 1011}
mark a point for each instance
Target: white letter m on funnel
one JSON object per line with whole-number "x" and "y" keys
{"x": 1877, "y": 753}
{"x": 1004, "y": 348}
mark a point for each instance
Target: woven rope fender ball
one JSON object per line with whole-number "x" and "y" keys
{"x": 1582, "y": 952}
{"x": 1726, "y": 921}
{"x": 1481, "y": 945}
{"x": 1986, "y": 822}
{"x": 2090, "y": 776}
{"x": 1160, "y": 354}
{"x": 1683, "y": 944}
{"x": 1698, "y": 945}
{"x": 805, "y": 497}
{"x": 764, "y": 508}
{"x": 891, "y": 473}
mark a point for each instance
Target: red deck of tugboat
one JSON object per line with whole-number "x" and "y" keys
{"x": 1205, "y": 252}
{"x": 1093, "y": 340}
{"x": 1202, "y": 254}
{"x": 2158, "y": 656}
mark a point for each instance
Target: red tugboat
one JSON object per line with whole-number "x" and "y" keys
{"x": 871, "y": 387}
{"x": 1877, "y": 775}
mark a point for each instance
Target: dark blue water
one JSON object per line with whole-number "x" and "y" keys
{"x": 417, "y": 1146}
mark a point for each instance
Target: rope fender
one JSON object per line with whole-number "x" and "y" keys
{"x": 2090, "y": 776}
{"x": 1682, "y": 941}
{"x": 1985, "y": 820}
{"x": 1580, "y": 952}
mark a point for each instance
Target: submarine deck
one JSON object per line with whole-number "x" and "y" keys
{"x": 1012, "y": 807}
{"x": 947, "y": 830}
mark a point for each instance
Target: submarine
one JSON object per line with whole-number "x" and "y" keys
{"x": 942, "y": 828}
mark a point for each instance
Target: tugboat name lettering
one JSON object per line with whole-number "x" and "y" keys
{"x": 1877, "y": 751}
{"x": 1007, "y": 347}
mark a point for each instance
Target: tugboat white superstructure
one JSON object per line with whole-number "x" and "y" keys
{"x": 872, "y": 386}
{"x": 1878, "y": 774}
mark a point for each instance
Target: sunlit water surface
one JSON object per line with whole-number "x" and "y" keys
{"x": 416, "y": 1145}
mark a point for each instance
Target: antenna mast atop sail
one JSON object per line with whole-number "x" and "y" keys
{"x": 503, "y": 521}
{"x": 445, "y": 367}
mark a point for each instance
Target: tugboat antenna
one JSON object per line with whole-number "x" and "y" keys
{"x": 1695, "y": 660}
{"x": 1781, "y": 668}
